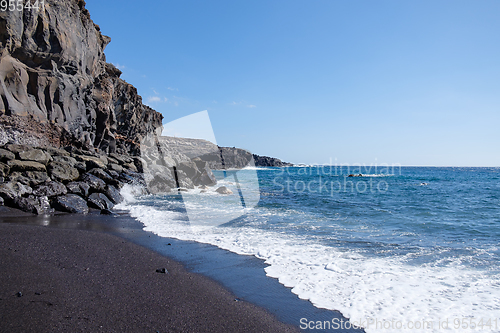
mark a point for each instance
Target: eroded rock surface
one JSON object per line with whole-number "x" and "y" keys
{"x": 56, "y": 87}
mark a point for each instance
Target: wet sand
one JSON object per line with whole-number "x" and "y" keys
{"x": 58, "y": 280}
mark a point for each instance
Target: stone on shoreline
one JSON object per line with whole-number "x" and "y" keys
{"x": 116, "y": 167}
{"x": 113, "y": 194}
{"x": 35, "y": 205}
{"x": 16, "y": 148}
{"x": 4, "y": 170}
{"x": 50, "y": 189}
{"x": 16, "y": 165}
{"x": 99, "y": 201}
{"x": 71, "y": 203}
{"x": 79, "y": 188}
{"x": 122, "y": 159}
{"x": 91, "y": 162}
{"x": 6, "y": 155}
{"x": 62, "y": 172}
{"x": 65, "y": 159}
{"x": 36, "y": 155}
{"x": 72, "y": 179}
{"x": 161, "y": 184}
{"x": 95, "y": 184}
{"x": 12, "y": 190}
{"x": 223, "y": 190}
{"x": 31, "y": 178}
{"x": 206, "y": 178}
{"x": 57, "y": 152}
{"x": 100, "y": 173}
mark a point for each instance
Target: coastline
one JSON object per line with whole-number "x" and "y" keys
{"x": 91, "y": 280}
{"x": 245, "y": 298}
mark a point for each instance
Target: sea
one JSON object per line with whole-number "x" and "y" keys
{"x": 392, "y": 248}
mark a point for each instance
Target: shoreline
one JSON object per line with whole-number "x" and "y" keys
{"x": 241, "y": 277}
{"x": 60, "y": 279}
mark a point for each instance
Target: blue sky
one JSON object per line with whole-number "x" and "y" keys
{"x": 371, "y": 82}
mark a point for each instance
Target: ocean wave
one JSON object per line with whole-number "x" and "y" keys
{"x": 386, "y": 289}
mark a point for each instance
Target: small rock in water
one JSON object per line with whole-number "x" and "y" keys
{"x": 19, "y": 294}
{"x": 162, "y": 270}
{"x": 223, "y": 190}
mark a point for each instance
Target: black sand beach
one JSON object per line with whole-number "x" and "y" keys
{"x": 58, "y": 280}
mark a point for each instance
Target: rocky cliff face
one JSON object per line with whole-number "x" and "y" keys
{"x": 57, "y": 91}
{"x": 54, "y": 79}
{"x": 219, "y": 157}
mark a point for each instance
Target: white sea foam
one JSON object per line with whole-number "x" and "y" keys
{"x": 248, "y": 168}
{"x": 368, "y": 290}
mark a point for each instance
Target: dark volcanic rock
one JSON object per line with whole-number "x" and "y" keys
{"x": 100, "y": 173}
{"x": 107, "y": 212}
{"x": 131, "y": 177}
{"x": 122, "y": 159}
{"x": 116, "y": 167}
{"x": 4, "y": 170}
{"x": 16, "y": 165}
{"x": 35, "y": 205}
{"x": 113, "y": 194}
{"x": 25, "y": 204}
{"x": 17, "y": 148}
{"x": 19, "y": 177}
{"x": 31, "y": 178}
{"x": 125, "y": 178}
{"x": 57, "y": 87}
{"x": 99, "y": 201}
{"x": 266, "y": 161}
{"x": 63, "y": 172}
{"x": 95, "y": 184}
{"x": 66, "y": 160}
{"x": 50, "y": 189}
{"x": 80, "y": 188}
{"x": 130, "y": 166}
{"x": 6, "y": 155}
{"x": 81, "y": 167}
{"x": 12, "y": 190}
{"x": 71, "y": 203}
{"x": 114, "y": 174}
{"x": 56, "y": 152}
{"x": 230, "y": 158}
{"x": 111, "y": 160}
{"x": 36, "y": 155}
{"x": 91, "y": 161}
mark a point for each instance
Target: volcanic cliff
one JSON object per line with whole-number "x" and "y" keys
{"x": 72, "y": 133}
{"x": 56, "y": 87}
